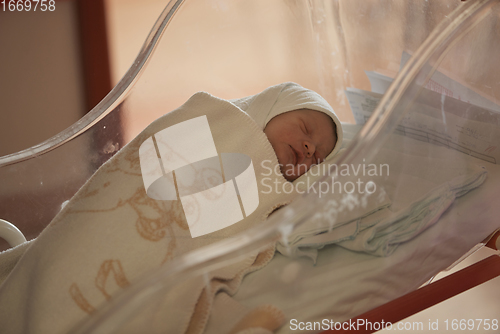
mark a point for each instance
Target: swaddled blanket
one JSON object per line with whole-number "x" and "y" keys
{"x": 148, "y": 205}
{"x": 111, "y": 232}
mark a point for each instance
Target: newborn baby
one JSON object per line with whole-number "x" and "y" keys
{"x": 301, "y": 138}
{"x": 300, "y": 125}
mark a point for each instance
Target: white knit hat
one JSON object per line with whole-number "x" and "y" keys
{"x": 284, "y": 97}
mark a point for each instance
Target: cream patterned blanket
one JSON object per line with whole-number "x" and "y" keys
{"x": 111, "y": 232}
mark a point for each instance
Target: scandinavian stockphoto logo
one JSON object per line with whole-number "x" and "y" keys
{"x": 181, "y": 162}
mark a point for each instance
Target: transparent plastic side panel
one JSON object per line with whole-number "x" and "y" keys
{"x": 229, "y": 49}
{"x": 413, "y": 190}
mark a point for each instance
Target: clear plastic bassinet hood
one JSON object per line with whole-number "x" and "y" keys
{"x": 419, "y": 79}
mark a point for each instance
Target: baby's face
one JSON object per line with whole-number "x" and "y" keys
{"x": 301, "y": 138}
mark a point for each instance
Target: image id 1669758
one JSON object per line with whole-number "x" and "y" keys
{"x": 27, "y": 5}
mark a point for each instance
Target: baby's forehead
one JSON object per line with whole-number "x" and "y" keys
{"x": 305, "y": 113}
{"x": 316, "y": 117}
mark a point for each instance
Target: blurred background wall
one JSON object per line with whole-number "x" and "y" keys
{"x": 41, "y": 85}
{"x": 54, "y": 67}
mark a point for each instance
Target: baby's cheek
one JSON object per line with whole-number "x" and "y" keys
{"x": 282, "y": 158}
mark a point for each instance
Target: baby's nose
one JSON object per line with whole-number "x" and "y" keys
{"x": 309, "y": 148}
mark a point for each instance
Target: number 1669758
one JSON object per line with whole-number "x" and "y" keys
{"x": 27, "y": 5}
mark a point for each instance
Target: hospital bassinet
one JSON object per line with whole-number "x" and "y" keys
{"x": 358, "y": 56}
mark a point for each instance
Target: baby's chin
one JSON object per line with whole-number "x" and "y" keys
{"x": 289, "y": 172}
{"x": 292, "y": 172}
